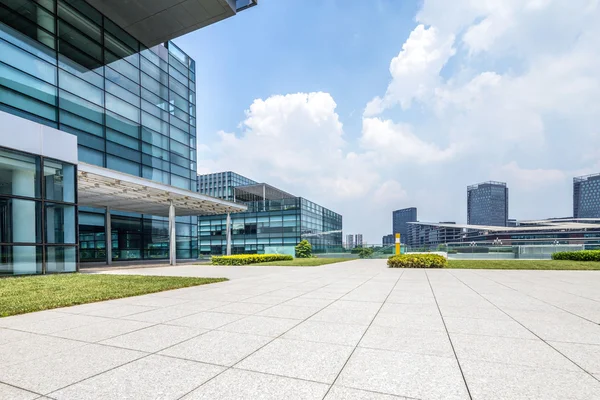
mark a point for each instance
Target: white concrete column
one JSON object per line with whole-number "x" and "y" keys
{"x": 108, "y": 236}
{"x": 172, "y": 237}
{"x": 228, "y": 235}
{"x": 23, "y": 222}
{"x": 264, "y": 198}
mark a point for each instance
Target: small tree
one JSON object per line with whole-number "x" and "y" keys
{"x": 366, "y": 252}
{"x": 304, "y": 249}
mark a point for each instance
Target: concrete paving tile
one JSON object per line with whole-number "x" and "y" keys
{"x": 118, "y": 310}
{"x": 559, "y": 326}
{"x": 59, "y": 370}
{"x": 241, "y": 308}
{"x": 8, "y": 392}
{"x": 235, "y": 384}
{"x": 419, "y": 309}
{"x": 319, "y": 362}
{"x": 472, "y": 312}
{"x": 199, "y": 305}
{"x": 34, "y": 347}
{"x": 487, "y": 327}
{"x": 152, "y": 301}
{"x": 496, "y": 381}
{"x": 265, "y": 326}
{"x": 354, "y": 317}
{"x": 265, "y": 299}
{"x": 404, "y": 374}
{"x": 407, "y": 298}
{"x": 218, "y": 347}
{"x": 16, "y": 321}
{"x": 308, "y": 302}
{"x": 434, "y": 343}
{"x": 10, "y": 335}
{"x": 323, "y": 294}
{"x": 206, "y": 320}
{"x": 410, "y": 321}
{"x": 101, "y": 330}
{"x": 587, "y": 356}
{"x": 161, "y": 315}
{"x": 283, "y": 311}
{"x": 366, "y": 296}
{"x": 67, "y": 321}
{"x": 154, "y": 338}
{"x": 325, "y": 332}
{"x": 533, "y": 353}
{"x": 153, "y": 377}
{"x": 343, "y": 393}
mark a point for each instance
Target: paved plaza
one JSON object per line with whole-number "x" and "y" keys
{"x": 355, "y": 330}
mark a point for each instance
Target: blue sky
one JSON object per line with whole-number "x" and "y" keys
{"x": 370, "y": 106}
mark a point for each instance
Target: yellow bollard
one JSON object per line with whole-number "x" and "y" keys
{"x": 397, "y": 243}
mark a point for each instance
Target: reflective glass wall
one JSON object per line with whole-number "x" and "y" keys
{"x": 133, "y": 109}
{"x": 37, "y": 215}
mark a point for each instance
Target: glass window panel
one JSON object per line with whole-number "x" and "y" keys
{"x": 80, "y": 88}
{"x": 122, "y": 139}
{"x": 60, "y": 259}
{"x": 155, "y": 174}
{"x": 154, "y": 86}
{"x": 81, "y": 107}
{"x": 179, "y": 135}
{"x": 19, "y": 174}
{"x": 180, "y": 124}
{"x": 155, "y": 151}
{"x": 183, "y": 79}
{"x": 95, "y": 76}
{"x": 27, "y": 104}
{"x": 81, "y": 123}
{"x": 21, "y": 221}
{"x": 121, "y": 124}
{"x": 180, "y": 114}
{"x": 120, "y": 164}
{"x": 31, "y": 45}
{"x": 121, "y": 80}
{"x": 31, "y": 11}
{"x": 124, "y": 152}
{"x": 179, "y": 148}
{"x": 178, "y": 88}
{"x": 155, "y": 138}
{"x": 72, "y": 36}
{"x": 122, "y": 36}
{"x": 123, "y": 67}
{"x": 82, "y": 8}
{"x": 180, "y": 182}
{"x": 154, "y": 72}
{"x": 20, "y": 260}
{"x": 26, "y": 62}
{"x": 123, "y": 108}
{"x": 155, "y": 124}
{"x": 122, "y": 93}
{"x": 59, "y": 180}
{"x": 155, "y": 162}
{"x": 178, "y": 101}
{"x": 93, "y": 141}
{"x": 79, "y": 21}
{"x": 179, "y": 160}
{"x": 181, "y": 171}
{"x": 154, "y": 99}
{"x": 157, "y": 112}
{"x": 26, "y": 26}
{"x": 60, "y": 223}
{"x": 27, "y": 84}
{"x": 90, "y": 156}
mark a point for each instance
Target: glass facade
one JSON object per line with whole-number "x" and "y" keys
{"x": 586, "y": 196}
{"x": 487, "y": 204}
{"x": 38, "y": 214}
{"x": 400, "y": 218}
{"x": 277, "y": 220}
{"x": 133, "y": 109}
{"x": 221, "y": 184}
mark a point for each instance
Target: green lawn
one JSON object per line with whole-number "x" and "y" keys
{"x": 306, "y": 262}
{"x": 21, "y": 295}
{"x": 524, "y": 264}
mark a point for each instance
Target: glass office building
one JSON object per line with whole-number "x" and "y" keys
{"x": 275, "y": 220}
{"x": 400, "y": 220}
{"x": 132, "y": 109}
{"x": 487, "y": 204}
{"x": 221, "y": 184}
{"x": 586, "y": 196}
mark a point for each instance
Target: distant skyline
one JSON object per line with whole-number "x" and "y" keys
{"x": 369, "y": 107}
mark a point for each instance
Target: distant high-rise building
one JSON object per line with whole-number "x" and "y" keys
{"x": 350, "y": 241}
{"x": 586, "y": 196}
{"x": 388, "y": 240}
{"x": 487, "y": 204}
{"x": 358, "y": 240}
{"x": 400, "y": 218}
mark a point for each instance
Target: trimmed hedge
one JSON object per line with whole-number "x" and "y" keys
{"x": 417, "y": 261}
{"x": 583, "y": 255}
{"x": 245, "y": 259}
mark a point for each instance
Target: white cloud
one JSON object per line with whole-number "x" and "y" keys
{"x": 479, "y": 90}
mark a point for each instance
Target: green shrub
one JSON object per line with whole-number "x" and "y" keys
{"x": 417, "y": 261}
{"x": 245, "y": 259}
{"x": 304, "y": 249}
{"x": 365, "y": 252}
{"x": 583, "y": 255}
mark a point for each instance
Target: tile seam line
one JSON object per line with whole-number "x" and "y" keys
{"x": 363, "y": 335}
{"x": 533, "y": 333}
{"x": 23, "y": 389}
{"x": 533, "y": 297}
{"x": 271, "y": 341}
{"x": 449, "y": 337}
{"x": 385, "y": 394}
{"x": 142, "y": 357}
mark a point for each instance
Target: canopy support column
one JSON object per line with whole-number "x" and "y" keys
{"x": 108, "y": 236}
{"x": 228, "y": 236}
{"x": 172, "y": 236}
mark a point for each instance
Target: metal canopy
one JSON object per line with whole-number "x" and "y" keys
{"x": 260, "y": 192}
{"x": 101, "y": 187}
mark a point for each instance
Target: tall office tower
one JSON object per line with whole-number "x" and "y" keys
{"x": 400, "y": 218}
{"x": 586, "y": 196}
{"x": 358, "y": 240}
{"x": 487, "y": 204}
{"x": 98, "y": 132}
{"x": 350, "y": 241}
